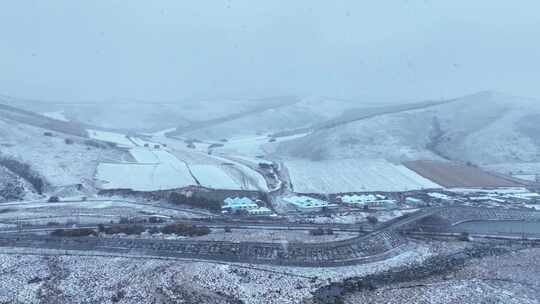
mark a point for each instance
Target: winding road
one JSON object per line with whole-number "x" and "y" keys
{"x": 386, "y": 241}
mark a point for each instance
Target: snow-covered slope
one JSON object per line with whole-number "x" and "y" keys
{"x": 62, "y": 159}
{"x": 30, "y": 118}
{"x": 298, "y": 114}
{"x": 484, "y": 128}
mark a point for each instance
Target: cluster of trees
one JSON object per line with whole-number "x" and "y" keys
{"x": 215, "y": 145}
{"x": 129, "y": 229}
{"x": 321, "y": 231}
{"x": 194, "y": 201}
{"x": 134, "y": 229}
{"x": 95, "y": 144}
{"x": 372, "y": 219}
{"x": 185, "y": 230}
{"x": 11, "y": 191}
{"x": 24, "y": 171}
{"x": 6, "y": 210}
{"x": 53, "y": 199}
{"x": 118, "y": 296}
{"x": 73, "y": 232}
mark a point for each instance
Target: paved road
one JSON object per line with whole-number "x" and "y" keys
{"x": 207, "y": 223}
{"x": 375, "y": 246}
{"x": 371, "y": 247}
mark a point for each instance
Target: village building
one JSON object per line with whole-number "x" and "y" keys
{"x": 367, "y": 200}
{"x": 238, "y": 203}
{"x": 306, "y": 203}
{"x": 260, "y": 211}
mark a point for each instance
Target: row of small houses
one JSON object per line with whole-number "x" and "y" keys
{"x": 300, "y": 202}
{"x": 304, "y": 203}
{"x": 244, "y": 204}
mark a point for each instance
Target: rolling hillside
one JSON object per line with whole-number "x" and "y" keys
{"x": 57, "y": 152}
{"x": 485, "y": 128}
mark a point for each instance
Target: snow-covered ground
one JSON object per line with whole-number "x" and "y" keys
{"x": 213, "y": 177}
{"x": 143, "y": 177}
{"x": 509, "y": 190}
{"x": 58, "y": 115}
{"x": 527, "y": 177}
{"x": 141, "y": 142}
{"x": 144, "y": 155}
{"x": 60, "y": 163}
{"x": 244, "y": 175}
{"x": 501, "y": 197}
{"x": 255, "y": 145}
{"x": 353, "y": 175}
{"x": 120, "y": 139}
{"x": 155, "y": 168}
{"x": 487, "y": 128}
{"x": 79, "y": 279}
{"x": 173, "y": 167}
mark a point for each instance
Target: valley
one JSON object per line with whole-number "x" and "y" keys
{"x": 317, "y": 205}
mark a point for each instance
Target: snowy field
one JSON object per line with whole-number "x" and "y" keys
{"x": 218, "y": 172}
{"x": 244, "y": 175}
{"x": 159, "y": 169}
{"x": 156, "y": 170}
{"x": 143, "y": 177}
{"x": 254, "y": 145}
{"x": 120, "y": 139}
{"x": 353, "y": 175}
{"x": 174, "y": 166}
{"x": 213, "y": 177}
{"x": 141, "y": 142}
{"x": 145, "y": 155}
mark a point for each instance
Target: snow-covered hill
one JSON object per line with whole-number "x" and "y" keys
{"x": 61, "y": 159}
{"x": 484, "y": 128}
{"x": 147, "y": 116}
{"x": 295, "y": 117}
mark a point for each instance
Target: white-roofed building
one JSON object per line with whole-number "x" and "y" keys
{"x": 369, "y": 200}
{"x": 260, "y": 211}
{"x": 236, "y": 203}
{"x": 306, "y": 203}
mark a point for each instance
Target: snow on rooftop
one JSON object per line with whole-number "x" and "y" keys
{"x": 260, "y": 211}
{"x": 307, "y": 202}
{"x": 362, "y": 198}
{"x": 239, "y": 203}
{"x": 495, "y": 190}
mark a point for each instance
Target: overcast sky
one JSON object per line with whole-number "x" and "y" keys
{"x": 172, "y": 50}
